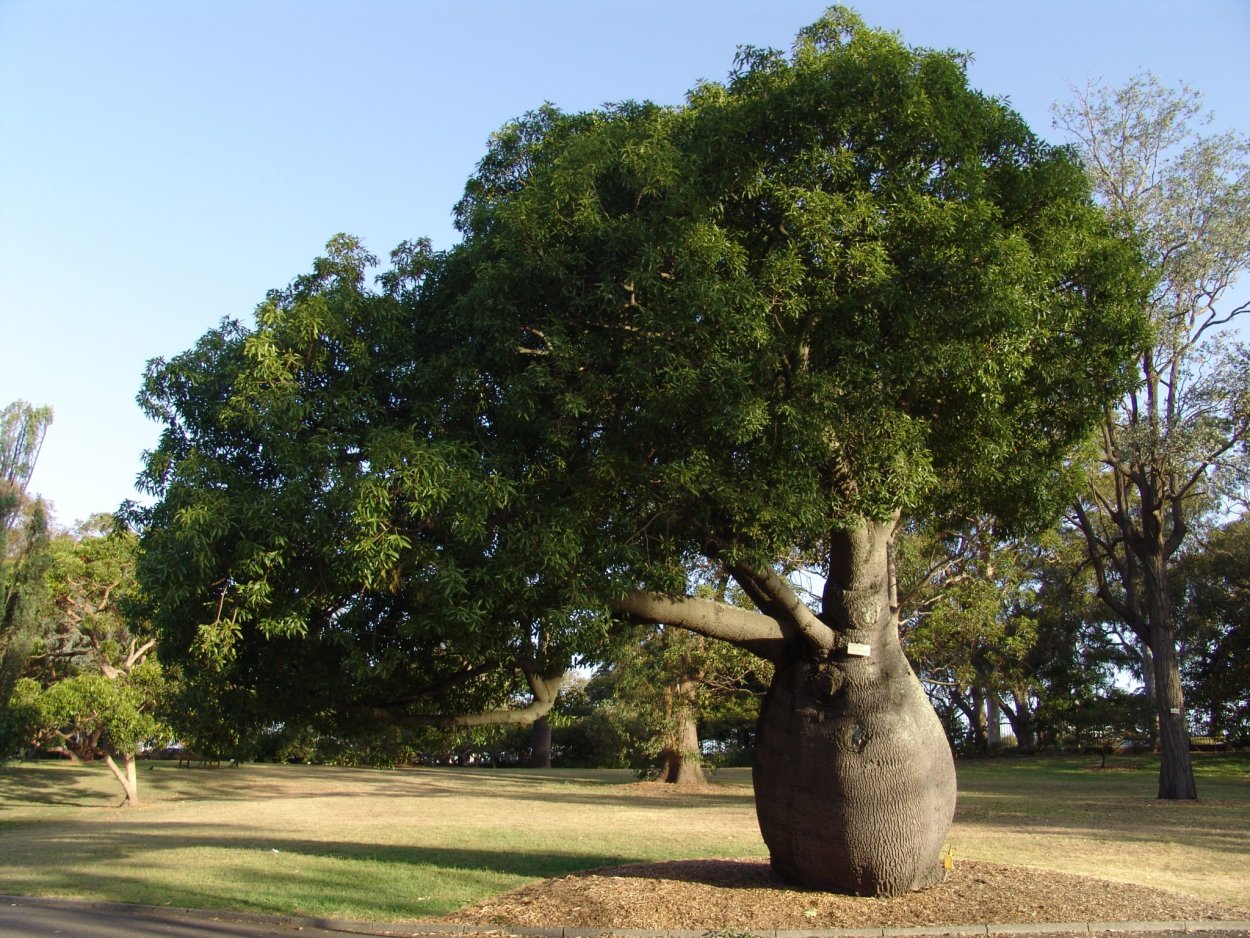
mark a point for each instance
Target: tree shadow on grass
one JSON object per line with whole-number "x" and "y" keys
{"x": 296, "y": 873}
{"x": 166, "y": 781}
{"x": 75, "y": 785}
{"x": 145, "y": 836}
{"x": 1218, "y": 827}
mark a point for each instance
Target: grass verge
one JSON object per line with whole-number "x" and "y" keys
{"x": 417, "y": 843}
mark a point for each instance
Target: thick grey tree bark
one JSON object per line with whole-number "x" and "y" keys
{"x": 854, "y": 779}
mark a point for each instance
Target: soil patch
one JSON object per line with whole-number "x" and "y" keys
{"x": 726, "y": 894}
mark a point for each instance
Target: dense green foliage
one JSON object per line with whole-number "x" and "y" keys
{"x": 1215, "y": 629}
{"x": 840, "y": 285}
{"x": 1012, "y": 629}
{"x": 90, "y": 687}
{"x": 23, "y": 543}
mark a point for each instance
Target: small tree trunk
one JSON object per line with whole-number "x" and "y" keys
{"x": 540, "y": 744}
{"x": 961, "y": 706}
{"x": 1023, "y": 723}
{"x": 681, "y": 762}
{"x": 993, "y": 721}
{"x": 1176, "y": 772}
{"x": 126, "y": 778}
{"x": 979, "y": 743}
{"x": 854, "y": 779}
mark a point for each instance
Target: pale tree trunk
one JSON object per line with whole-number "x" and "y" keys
{"x": 126, "y": 776}
{"x": 993, "y": 721}
{"x": 854, "y": 780}
{"x": 681, "y": 763}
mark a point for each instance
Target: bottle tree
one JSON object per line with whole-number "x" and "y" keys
{"x": 751, "y": 331}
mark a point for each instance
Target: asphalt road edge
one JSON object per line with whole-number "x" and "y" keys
{"x": 415, "y": 928}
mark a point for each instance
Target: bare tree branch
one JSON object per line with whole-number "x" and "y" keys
{"x": 544, "y": 690}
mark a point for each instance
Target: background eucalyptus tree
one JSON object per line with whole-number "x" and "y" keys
{"x": 23, "y": 539}
{"x": 1173, "y": 450}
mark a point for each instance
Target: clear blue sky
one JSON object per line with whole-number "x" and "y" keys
{"x": 163, "y": 163}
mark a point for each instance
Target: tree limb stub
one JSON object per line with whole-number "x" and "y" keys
{"x": 759, "y": 634}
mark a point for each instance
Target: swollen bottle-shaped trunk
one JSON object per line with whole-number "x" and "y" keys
{"x": 854, "y": 779}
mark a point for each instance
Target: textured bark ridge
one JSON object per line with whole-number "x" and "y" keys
{"x": 854, "y": 784}
{"x": 854, "y": 779}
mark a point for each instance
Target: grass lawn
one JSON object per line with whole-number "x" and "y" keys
{"x": 416, "y": 843}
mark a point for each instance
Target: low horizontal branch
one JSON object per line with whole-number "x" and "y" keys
{"x": 447, "y": 721}
{"x": 755, "y": 632}
{"x": 544, "y": 689}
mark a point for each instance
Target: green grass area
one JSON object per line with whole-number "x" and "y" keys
{"x": 416, "y": 843}
{"x": 1069, "y": 814}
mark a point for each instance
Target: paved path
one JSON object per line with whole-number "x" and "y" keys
{"x": 67, "y": 918}
{"x": 43, "y": 918}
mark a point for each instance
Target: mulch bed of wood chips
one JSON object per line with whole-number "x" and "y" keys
{"x": 743, "y": 894}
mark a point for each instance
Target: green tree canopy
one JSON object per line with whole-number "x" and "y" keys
{"x": 92, "y": 686}
{"x": 1214, "y": 615}
{"x": 744, "y": 332}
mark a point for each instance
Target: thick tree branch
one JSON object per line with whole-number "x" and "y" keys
{"x": 760, "y": 634}
{"x": 1097, "y": 559}
{"x": 782, "y": 597}
{"x": 544, "y": 689}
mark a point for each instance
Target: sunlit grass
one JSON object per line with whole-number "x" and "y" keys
{"x": 416, "y": 843}
{"x": 1072, "y": 815}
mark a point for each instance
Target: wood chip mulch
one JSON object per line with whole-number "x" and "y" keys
{"x": 743, "y": 894}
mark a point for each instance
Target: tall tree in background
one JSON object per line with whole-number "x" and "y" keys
{"x": 23, "y": 538}
{"x": 1214, "y": 613}
{"x": 1176, "y": 445}
{"x": 22, "y": 429}
{"x": 837, "y": 289}
{"x": 666, "y": 683}
{"x": 95, "y": 687}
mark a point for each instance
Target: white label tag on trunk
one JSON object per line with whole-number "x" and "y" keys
{"x": 855, "y": 649}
